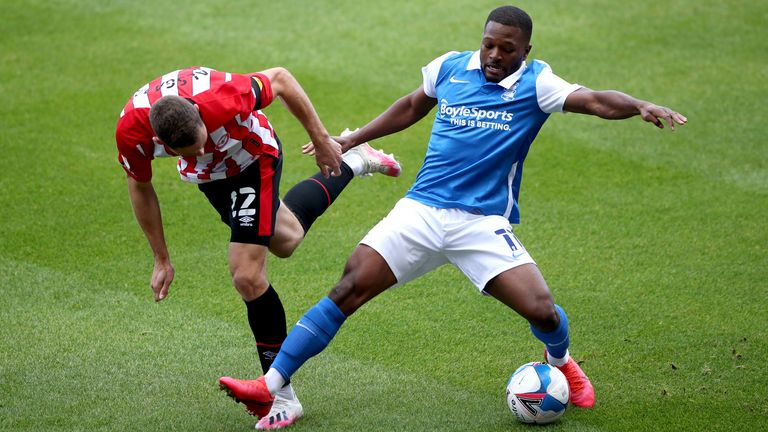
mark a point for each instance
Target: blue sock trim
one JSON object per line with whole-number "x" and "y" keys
{"x": 309, "y": 336}
{"x": 557, "y": 341}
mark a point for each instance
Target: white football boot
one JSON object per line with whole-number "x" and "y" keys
{"x": 284, "y": 413}
{"x": 374, "y": 161}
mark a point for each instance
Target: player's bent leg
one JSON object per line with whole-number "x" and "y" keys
{"x": 288, "y": 233}
{"x": 523, "y": 289}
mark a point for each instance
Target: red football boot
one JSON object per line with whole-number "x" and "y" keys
{"x": 582, "y": 392}
{"x": 251, "y": 393}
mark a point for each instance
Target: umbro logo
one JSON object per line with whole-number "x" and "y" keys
{"x": 458, "y": 81}
{"x": 247, "y": 219}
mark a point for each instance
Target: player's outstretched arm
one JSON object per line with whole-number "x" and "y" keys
{"x": 288, "y": 89}
{"x": 615, "y": 105}
{"x": 402, "y": 114}
{"x": 146, "y": 207}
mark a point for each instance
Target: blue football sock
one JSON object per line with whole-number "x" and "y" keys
{"x": 557, "y": 341}
{"x": 309, "y": 336}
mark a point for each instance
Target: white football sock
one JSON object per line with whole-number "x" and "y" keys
{"x": 286, "y": 392}
{"x": 354, "y": 161}
{"x": 554, "y": 361}
{"x": 274, "y": 381}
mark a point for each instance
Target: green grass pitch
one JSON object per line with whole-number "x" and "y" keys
{"x": 655, "y": 242}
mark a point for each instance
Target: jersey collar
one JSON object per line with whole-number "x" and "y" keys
{"x": 474, "y": 64}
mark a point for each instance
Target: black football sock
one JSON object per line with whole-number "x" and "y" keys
{"x": 309, "y": 198}
{"x": 266, "y": 317}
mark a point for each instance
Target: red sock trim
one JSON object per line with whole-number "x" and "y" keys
{"x": 327, "y": 195}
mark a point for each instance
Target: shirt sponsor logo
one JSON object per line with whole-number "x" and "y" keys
{"x": 475, "y": 117}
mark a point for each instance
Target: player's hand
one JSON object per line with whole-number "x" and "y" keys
{"x": 327, "y": 157}
{"x": 345, "y": 141}
{"x": 309, "y": 148}
{"x": 162, "y": 276}
{"x": 659, "y": 115}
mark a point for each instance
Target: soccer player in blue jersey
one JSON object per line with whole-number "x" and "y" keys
{"x": 491, "y": 104}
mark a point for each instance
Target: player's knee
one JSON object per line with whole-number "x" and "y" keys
{"x": 249, "y": 285}
{"x": 544, "y": 316}
{"x": 366, "y": 274}
{"x": 349, "y": 295}
{"x": 344, "y": 290}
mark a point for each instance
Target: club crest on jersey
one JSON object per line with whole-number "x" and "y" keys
{"x": 509, "y": 95}
{"x": 222, "y": 141}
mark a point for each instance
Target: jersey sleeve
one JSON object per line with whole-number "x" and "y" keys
{"x": 552, "y": 90}
{"x": 262, "y": 90}
{"x": 133, "y": 151}
{"x": 430, "y": 73}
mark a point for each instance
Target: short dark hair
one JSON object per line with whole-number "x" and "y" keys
{"x": 512, "y": 16}
{"x": 175, "y": 121}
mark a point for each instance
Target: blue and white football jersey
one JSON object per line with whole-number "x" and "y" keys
{"x": 482, "y": 133}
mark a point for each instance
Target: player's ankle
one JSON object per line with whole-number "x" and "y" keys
{"x": 555, "y": 361}
{"x": 274, "y": 381}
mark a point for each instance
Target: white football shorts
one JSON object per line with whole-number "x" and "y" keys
{"x": 415, "y": 239}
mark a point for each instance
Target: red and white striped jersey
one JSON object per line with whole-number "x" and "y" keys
{"x": 238, "y": 132}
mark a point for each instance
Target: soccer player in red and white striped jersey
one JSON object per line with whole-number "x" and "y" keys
{"x": 213, "y": 123}
{"x": 238, "y": 133}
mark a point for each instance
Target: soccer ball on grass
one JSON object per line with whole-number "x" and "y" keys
{"x": 537, "y": 393}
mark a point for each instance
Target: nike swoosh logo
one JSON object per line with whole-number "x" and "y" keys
{"x": 458, "y": 81}
{"x": 517, "y": 256}
{"x": 299, "y": 324}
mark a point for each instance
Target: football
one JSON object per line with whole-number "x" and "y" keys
{"x": 537, "y": 393}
